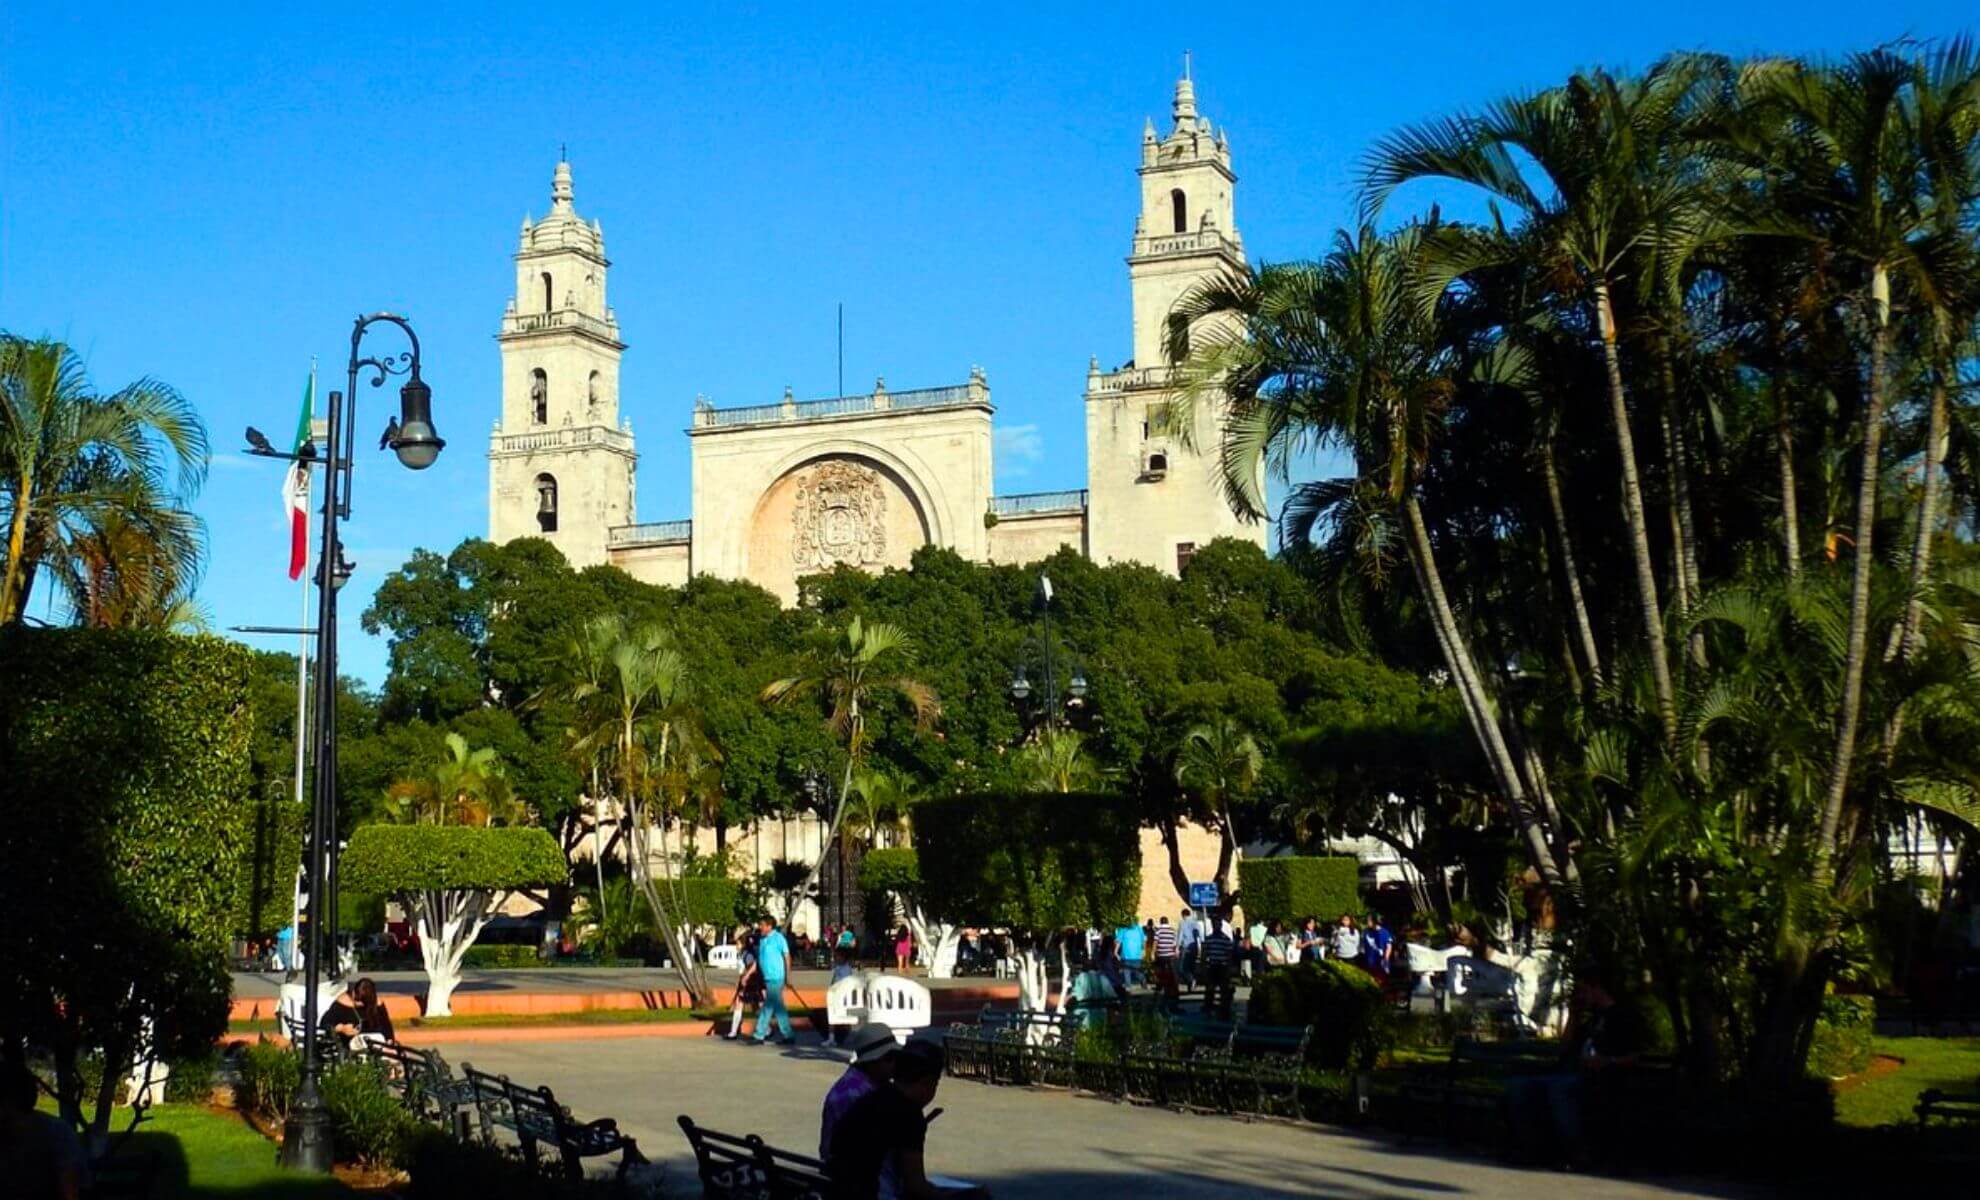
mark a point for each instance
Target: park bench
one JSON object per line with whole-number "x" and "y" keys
{"x": 748, "y": 1168}
{"x": 329, "y": 1047}
{"x": 1164, "y": 1067}
{"x": 1259, "y": 1068}
{"x": 1939, "y": 1104}
{"x": 536, "y": 1119}
{"x": 1467, "y": 1094}
{"x": 968, "y": 1043}
{"x": 425, "y": 1085}
{"x": 1018, "y": 1046}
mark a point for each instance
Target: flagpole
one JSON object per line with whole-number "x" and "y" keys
{"x": 302, "y": 653}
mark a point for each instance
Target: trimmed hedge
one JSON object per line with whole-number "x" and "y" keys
{"x": 1842, "y": 1043}
{"x": 128, "y": 802}
{"x": 266, "y": 889}
{"x": 1037, "y": 862}
{"x": 895, "y": 869}
{"x": 486, "y": 958}
{"x": 708, "y": 901}
{"x": 398, "y": 859}
{"x": 1352, "y": 1025}
{"x": 1292, "y": 889}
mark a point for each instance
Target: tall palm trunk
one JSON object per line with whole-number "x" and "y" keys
{"x": 13, "y": 587}
{"x": 1639, "y": 526}
{"x": 1784, "y": 453}
{"x": 853, "y": 746}
{"x": 1850, "y": 709}
{"x": 1928, "y": 513}
{"x": 1484, "y": 719}
{"x": 1584, "y": 628}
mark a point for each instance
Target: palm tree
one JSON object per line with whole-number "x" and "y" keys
{"x": 1852, "y": 141}
{"x": 850, "y": 674}
{"x": 879, "y": 801}
{"x": 629, "y": 689}
{"x": 1344, "y": 353}
{"x": 466, "y": 787}
{"x": 1220, "y": 762}
{"x": 1600, "y": 148}
{"x": 1057, "y": 761}
{"x": 76, "y": 465}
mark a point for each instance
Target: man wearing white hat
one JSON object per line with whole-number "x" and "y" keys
{"x": 873, "y": 1049}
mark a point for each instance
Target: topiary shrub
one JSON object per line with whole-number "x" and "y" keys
{"x": 507, "y": 957}
{"x": 703, "y": 901}
{"x": 1352, "y": 1025}
{"x": 1037, "y": 864}
{"x": 1842, "y": 1042}
{"x": 368, "y": 1124}
{"x": 127, "y": 798}
{"x": 269, "y": 1075}
{"x": 1292, "y": 889}
{"x": 451, "y": 879}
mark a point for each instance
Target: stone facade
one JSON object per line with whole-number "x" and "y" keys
{"x": 781, "y": 490}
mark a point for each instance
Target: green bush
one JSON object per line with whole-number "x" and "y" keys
{"x": 1292, "y": 889}
{"x": 268, "y": 1077}
{"x": 368, "y": 1124}
{"x": 126, "y": 793}
{"x": 191, "y": 1080}
{"x": 490, "y": 958}
{"x": 1352, "y": 1025}
{"x": 1842, "y": 1043}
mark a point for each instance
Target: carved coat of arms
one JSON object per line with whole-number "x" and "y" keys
{"x": 840, "y": 516}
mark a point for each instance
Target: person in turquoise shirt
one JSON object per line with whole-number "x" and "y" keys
{"x": 1131, "y": 942}
{"x": 773, "y": 962}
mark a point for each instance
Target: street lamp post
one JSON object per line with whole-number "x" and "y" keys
{"x": 306, "y": 1134}
{"x": 1021, "y": 687}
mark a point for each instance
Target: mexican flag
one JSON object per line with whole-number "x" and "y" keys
{"x": 295, "y": 487}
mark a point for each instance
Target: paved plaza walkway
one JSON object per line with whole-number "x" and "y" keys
{"x": 1019, "y": 1143}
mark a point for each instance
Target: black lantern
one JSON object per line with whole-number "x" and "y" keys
{"x": 417, "y": 445}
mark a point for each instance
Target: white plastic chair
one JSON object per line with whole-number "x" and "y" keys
{"x": 900, "y": 1004}
{"x": 845, "y": 1001}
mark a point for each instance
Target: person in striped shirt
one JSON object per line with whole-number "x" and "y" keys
{"x": 1219, "y": 952}
{"x": 1167, "y": 952}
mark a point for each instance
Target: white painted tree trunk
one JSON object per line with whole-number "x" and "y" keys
{"x": 448, "y": 924}
{"x": 1032, "y": 993}
{"x": 935, "y": 942}
{"x": 146, "y": 1083}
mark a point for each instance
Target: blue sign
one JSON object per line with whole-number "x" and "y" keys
{"x": 1203, "y": 895}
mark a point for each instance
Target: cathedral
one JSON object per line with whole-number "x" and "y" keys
{"x": 789, "y": 488}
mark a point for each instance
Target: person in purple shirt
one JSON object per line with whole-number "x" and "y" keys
{"x": 873, "y": 1050}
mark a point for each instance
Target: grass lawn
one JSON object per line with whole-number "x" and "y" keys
{"x": 598, "y": 1016}
{"x": 1951, "y": 1063}
{"x": 594, "y": 1016}
{"x": 208, "y": 1155}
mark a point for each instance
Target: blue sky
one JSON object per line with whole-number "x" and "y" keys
{"x": 209, "y": 197}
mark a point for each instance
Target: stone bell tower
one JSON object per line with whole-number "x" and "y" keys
{"x": 560, "y": 463}
{"x": 1152, "y": 497}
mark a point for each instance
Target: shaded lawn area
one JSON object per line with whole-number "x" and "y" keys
{"x": 207, "y": 1155}
{"x": 1949, "y": 1063}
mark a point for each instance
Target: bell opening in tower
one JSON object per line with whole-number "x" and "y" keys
{"x": 546, "y": 503}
